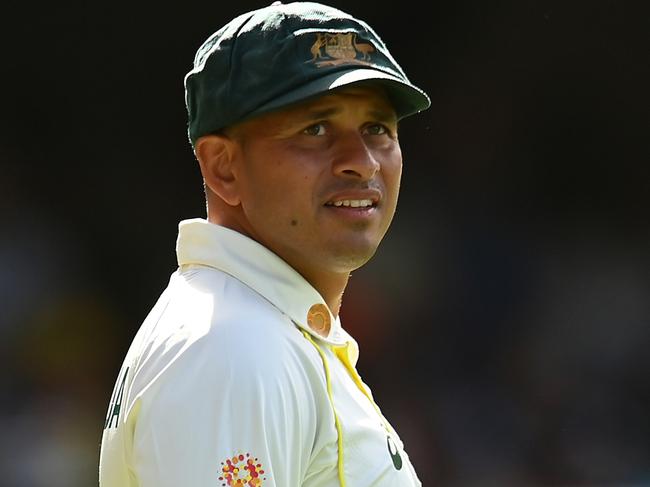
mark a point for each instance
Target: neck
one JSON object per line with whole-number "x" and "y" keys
{"x": 329, "y": 285}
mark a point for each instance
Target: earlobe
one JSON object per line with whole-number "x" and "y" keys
{"x": 216, "y": 154}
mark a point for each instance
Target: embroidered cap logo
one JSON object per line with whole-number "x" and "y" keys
{"x": 340, "y": 48}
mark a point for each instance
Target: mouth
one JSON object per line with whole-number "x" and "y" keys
{"x": 351, "y": 203}
{"x": 354, "y": 199}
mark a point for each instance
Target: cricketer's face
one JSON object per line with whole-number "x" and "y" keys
{"x": 318, "y": 182}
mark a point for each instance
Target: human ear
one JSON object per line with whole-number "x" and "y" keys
{"x": 216, "y": 154}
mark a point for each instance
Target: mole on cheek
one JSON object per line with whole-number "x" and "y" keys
{"x": 294, "y": 223}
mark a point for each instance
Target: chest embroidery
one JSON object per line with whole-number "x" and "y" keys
{"x": 242, "y": 471}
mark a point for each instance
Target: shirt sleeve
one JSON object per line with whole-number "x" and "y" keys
{"x": 237, "y": 410}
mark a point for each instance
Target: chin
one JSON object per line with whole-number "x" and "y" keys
{"x": 348, "y": 258}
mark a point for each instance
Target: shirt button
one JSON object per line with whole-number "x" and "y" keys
{"x": 318, "y": 319}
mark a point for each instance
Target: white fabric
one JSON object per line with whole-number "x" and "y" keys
{"x": 219, "y": 376}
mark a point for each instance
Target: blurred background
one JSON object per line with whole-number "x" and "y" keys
{"x": 503, "y": 324}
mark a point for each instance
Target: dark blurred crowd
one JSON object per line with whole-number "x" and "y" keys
{"x": 504, "y": 323}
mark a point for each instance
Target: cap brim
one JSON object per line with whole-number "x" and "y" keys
{"x": 407, "y": 99}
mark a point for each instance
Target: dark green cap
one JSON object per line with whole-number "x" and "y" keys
{"x": 272, "y": 57}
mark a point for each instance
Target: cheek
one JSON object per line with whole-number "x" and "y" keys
{"x": 392, "y": 176}
{"x": 284, "y": 187}
{"x": 280, "y": 198}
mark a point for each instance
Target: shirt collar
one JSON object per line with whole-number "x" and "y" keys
{"x": 205, "y": 243}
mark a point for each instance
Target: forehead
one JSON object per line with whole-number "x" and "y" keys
{"x": 369, "y": 100}
{"x": 373, "y": 96}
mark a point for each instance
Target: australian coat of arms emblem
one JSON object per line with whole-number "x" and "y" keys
{"x": 331, "y": 49}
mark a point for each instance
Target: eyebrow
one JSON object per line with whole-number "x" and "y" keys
{"x": 313, "y": 115}
{"x": 385, "y": 116}
{"x": 381, "y": 115}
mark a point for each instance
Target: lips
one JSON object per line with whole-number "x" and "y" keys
{"x": 367, "y": 198}
{"x": 352, "y": 203}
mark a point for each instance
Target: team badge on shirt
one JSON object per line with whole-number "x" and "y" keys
{"x": 242, "y": 471}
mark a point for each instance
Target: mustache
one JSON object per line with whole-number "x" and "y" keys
{"x": 367, "y": 186}
{"x": 372, "y": 190}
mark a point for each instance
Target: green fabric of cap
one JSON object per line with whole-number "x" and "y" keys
{"x": 278, "y": 55}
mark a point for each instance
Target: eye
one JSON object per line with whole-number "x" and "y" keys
{"x": 316, "y": 129}
{"x": 376, "y": 129}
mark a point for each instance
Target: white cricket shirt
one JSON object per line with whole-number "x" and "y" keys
{"x": 240, "y": 376}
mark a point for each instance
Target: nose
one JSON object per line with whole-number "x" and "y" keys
{"x": 353, "y": 158}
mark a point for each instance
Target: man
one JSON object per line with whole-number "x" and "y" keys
{"x": 242, "y": 375}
